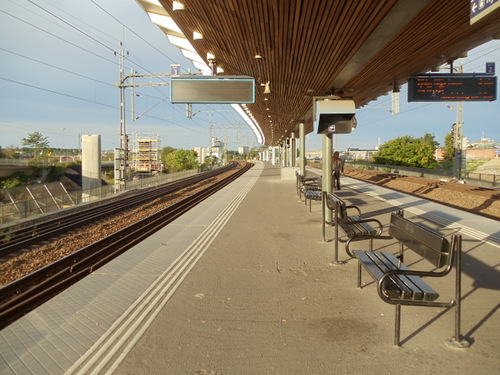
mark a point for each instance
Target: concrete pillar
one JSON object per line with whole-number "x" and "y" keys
{"x": 289, "y": 152}
{"x": 302, "y": 141}
{"x": 91, "y": 165}
{"x": 327, "y": 169}
{"x": 293, "y": 149}
{"x": 283, "y": 153}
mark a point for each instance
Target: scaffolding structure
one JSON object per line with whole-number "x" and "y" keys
{"x": 145, "y": 156}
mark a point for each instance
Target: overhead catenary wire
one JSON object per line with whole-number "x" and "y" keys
{"x": 53, "y": 14}
{"x": 38, "y": 61}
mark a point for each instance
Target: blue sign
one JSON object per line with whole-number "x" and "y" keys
{"x": 481, "y": 8}
{"x": 490, "y": 68}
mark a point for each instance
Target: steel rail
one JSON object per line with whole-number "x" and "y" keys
{"x": 15, "y": 240}
{"x": 25, "y": 294}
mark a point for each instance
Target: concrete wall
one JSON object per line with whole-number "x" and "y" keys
{"x": 91, "y": 163}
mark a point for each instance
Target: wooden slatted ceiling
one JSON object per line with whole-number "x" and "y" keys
{"x": 305, "y": 44}
{"x": 440, "y": 32}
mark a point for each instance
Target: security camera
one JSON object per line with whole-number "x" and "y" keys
{"x": 335, "y": 116}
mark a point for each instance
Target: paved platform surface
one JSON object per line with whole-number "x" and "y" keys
{"x": 261, "y": 296}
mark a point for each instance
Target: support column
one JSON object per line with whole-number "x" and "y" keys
{"x": 91, "y": 166}
{"x": 287, "y": 152}
{"x": 283, "y": 153}
{"x": 327, "y": 169}
{"x": 302, "y": 139}
{"x": 293, "y": 150}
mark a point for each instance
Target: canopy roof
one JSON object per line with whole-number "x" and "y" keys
{"x": 306, "y": 48}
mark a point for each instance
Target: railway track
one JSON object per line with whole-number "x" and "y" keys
{"x": 14, "y": 239}
{"x": 28, "y": 292}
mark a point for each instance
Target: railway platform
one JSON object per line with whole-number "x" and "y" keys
{"x": 244, "y": 284}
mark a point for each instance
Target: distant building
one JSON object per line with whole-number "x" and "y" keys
{"x": 243, "y": 150}
{"x": 145, "y": 153}
{"x": 314, "y": 154}
{"x": 216, "y": 148}
{"x": 483, "y": 143}
{"x": 359, "y": 154}
{"x": 473, "y": 153}
{"x": 201, "y": 152}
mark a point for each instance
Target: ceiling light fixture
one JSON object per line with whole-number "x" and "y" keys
{"x": 178, "y": 6}
{"x": 267, "y": 90}
{"x": 197, "y": 35}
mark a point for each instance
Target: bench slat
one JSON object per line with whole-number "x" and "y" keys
{"x": 422, "y": 291}
{"x": 358, "y": 229}
{"x": 313, "y": 194}
{"x": 376, "y": 268}
{"x": 400, "y": 286}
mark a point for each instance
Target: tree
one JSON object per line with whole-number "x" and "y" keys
{"x": 408, "y": 151}
{"x": 180, "y": 160}
{"x": 15, "y": 179}
{"x": 211, "y": 160}
{"x": 39, "y": 145}
{"x": 165, "y": 151}
{"x": 449, "y": 149}
{"x": 9, "y": 152}
{"x": 36, "y": 142}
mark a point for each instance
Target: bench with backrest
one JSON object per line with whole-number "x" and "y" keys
{"x": 354, "y": 226}
{"x": 399, "y": 285}
{"x": 310, "y": 188}
{"x": 303, "y": 181}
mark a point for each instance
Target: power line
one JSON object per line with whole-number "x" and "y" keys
{"x": 94, "y": 39}
{"x": 55, "y": 67}
{"x": 56, "y": 36}
{"x": 70, "y": 25}
{"x": 57, "y": 92}
{"x": 132, "y": 31}
{"x": 90, "y": 101}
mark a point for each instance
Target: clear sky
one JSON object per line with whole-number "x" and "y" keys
{"x": 58, "y": 66}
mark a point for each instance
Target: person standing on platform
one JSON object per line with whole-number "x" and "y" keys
{"x": 338, "y": 169}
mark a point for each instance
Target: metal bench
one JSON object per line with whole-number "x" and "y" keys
{"x": 310, "y": 188}
{"x": 312, "y": 195}
{"x": 354, "y": 226}
{"x": 399, "y": 285}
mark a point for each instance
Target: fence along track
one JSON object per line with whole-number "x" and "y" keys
{"x": 14, "y": 239}
{"x": 23, "y": 295}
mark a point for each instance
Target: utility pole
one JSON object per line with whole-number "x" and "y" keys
{"x": 121, "y": 153}
{"x": 458, "y": 163}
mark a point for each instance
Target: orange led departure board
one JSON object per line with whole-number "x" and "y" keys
{"x": 452, "y": 87}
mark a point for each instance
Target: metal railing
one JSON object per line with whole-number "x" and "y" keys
{"x": 27, "y": 201}
{"x": 471, "y": 178}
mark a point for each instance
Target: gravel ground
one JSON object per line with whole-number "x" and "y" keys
{"x": 474, "y": 199}
{"x": 27, "y": 261}
{"x": 470, "y": 198}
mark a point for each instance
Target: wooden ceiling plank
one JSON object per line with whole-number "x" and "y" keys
{"x": 307, "y": 43}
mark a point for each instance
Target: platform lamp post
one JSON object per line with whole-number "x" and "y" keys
{"x": 458, "y": 142}
{"x": 457, "y": 127}
{"x": 302, "y": 137}
{"x": 63, "y": 143}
